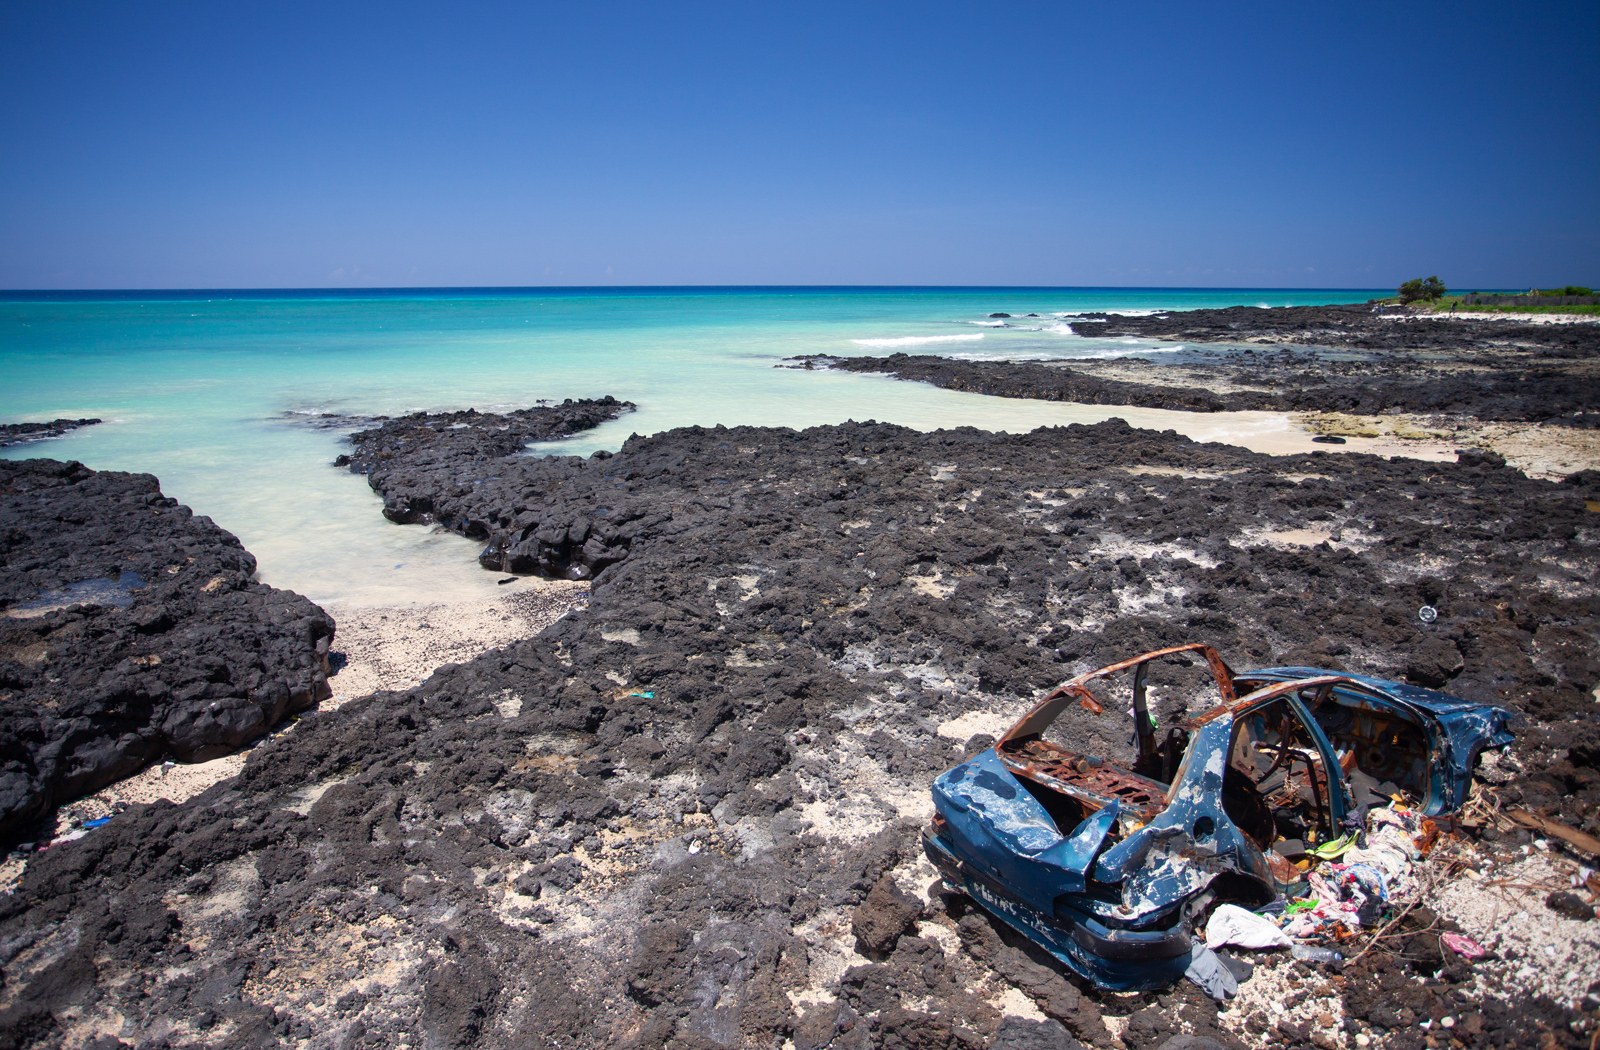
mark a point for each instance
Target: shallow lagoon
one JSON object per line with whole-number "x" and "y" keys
{"x": 211, "y": 391}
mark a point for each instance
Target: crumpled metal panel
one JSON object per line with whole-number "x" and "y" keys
{"x": 1011, "y": 836}
{"x": 1176, "y": 855}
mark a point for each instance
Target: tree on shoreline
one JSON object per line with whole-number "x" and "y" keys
{"x": 1429, "y": 289}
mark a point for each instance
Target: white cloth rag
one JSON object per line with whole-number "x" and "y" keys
{"x": 1231, "y": 924}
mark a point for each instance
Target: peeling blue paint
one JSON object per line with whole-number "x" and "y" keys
{"x": 1458, "y": 730}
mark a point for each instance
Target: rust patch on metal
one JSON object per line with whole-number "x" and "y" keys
{"x": 1089, "y": 780}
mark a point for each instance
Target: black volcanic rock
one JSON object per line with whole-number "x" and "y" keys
{"x": 1026, "y": 379}
{"x": 22, "y": 433}
{"x": 132, "y": 630}
{"x": 464, "y": 471}
{"x": 1355, "y": 325}
{"x": 420, "y": 438}
{"x": 1497, "y": 386}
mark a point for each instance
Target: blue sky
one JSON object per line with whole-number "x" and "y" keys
{"x": 1224, "y": 144}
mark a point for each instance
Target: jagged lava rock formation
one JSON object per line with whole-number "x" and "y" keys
{"x": 432, "y": 468}
{"x": 132, "y": 631}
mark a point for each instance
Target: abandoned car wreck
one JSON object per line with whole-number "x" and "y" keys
{"x": 1112, "y": 867}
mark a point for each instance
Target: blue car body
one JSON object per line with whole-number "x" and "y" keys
{"x": 1458, "y": 729}
{"x": 1110, "y": 868}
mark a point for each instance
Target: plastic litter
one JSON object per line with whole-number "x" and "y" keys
{"x": 1207, "y": 971}
{"x": 1427, "y": 614}
{"x": 1462, "y": 945}
{"x": 1309, "y": 953}
{"x": 1231, "y": 924}
{"x": 1335, "y": 848}
{"x": 97, "y": 822}
{"x": 1369, "y": 878}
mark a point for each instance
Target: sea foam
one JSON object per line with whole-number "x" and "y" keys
{"x": 1132, "y": 351}
{"x": 914, "y": 340}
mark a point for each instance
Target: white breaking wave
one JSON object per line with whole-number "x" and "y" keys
{"x": 985, "y": 324}
{"x": 1132, "y": 351}
{"x": 1064, "y": 357}
{"x": 1002, "y": 356}
{"x": 913, "y": 340}
{"x": 1124, "y": 311}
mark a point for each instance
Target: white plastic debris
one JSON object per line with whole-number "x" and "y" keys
{"x": 1231, "y": 924}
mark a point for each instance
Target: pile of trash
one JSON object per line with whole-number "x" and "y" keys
{"x": 1351, "y": 884}
{"x": 1362, "y": 875}
{"x": 1359, "y": 886}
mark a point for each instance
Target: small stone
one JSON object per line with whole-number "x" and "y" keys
{"x": 1569, "y": 905}
{"x": 880, "y": 919}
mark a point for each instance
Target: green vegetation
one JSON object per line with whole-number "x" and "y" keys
{"x": 1430, "y": 296}
{"x": 1579, "y": 309}
{"x": 1431, "y": 289}
{"x": 1444, "y": 303}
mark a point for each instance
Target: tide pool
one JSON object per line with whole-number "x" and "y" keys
{"x": 210, "y": 391}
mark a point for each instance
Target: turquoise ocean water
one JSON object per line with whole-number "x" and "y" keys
{"x": 204, "y": 389}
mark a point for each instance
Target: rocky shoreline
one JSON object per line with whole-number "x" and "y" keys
{"x": 1356, "y": 326}
{"x": 1486, "y": 370}
{"x": 686, "y": 815}
{"x": 465, "y": 472}
{"x": 22, "y": 433}
{"x": 131, "y": 631}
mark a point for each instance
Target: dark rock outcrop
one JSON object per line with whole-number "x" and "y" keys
{"x": 1027, "y": 379}
{"x": 22, "y": 433}
{"x": 1355, "y": 325}
{"x": 132, "y": 631}
{"x": 1499, "y": 386}
{"x": 438, "y": 468}
{"x": 881, "y": 918}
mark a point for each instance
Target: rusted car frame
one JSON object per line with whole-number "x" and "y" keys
{"x": 1110, "y": 866}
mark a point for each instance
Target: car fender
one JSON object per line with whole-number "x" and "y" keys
{"x": 1009, "y": 835}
